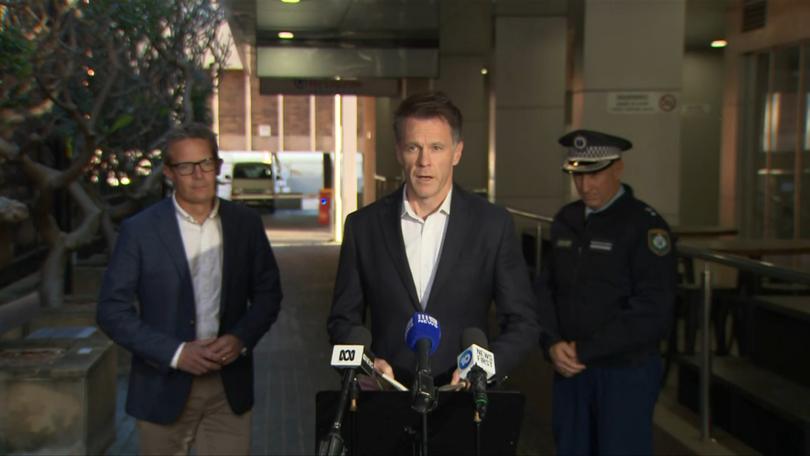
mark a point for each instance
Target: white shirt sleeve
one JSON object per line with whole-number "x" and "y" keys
{"x": 176, "y": 357}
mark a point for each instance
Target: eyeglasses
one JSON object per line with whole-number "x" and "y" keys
{"x": 187, "y": 168}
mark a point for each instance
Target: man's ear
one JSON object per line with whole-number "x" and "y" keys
{"x": 457, "y": 153}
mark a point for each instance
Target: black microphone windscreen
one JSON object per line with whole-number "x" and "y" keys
{"x": 474, "y": 336}
{"x": 359, "y": 335}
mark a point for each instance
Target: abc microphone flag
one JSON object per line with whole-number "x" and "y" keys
{"x": 347, "y": 356}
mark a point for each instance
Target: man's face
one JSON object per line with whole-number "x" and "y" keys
{"x": 597, "y": 188}
{"x": 428, "y": 154}
{"x": 199, "y": 187}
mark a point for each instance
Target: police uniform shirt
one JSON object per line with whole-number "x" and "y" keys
{"x": 610, "y": 281}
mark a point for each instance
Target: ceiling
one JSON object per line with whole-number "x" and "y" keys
{"x": 338, "y": 23}
{"x": 399, "y": 23}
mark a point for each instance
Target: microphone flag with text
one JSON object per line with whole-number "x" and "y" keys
{"x": 348, "y": 356}
{"x": 422, "y": 335}
{"x": 476, "y": 365}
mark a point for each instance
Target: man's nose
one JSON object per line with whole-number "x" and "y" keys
{"x": 197, "y": 171}
{"x": 423, "y": 159}
{"x": 587, "y": 183}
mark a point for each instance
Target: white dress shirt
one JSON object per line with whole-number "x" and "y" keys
{"x": 423, "y": 243}
{"x": 202, "y": 243}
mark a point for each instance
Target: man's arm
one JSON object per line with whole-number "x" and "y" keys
{"x": 347, "y": 299}
{"x": 265, "y": 294}
{"x": 116, "y": 313}
{"x": 514, "y": 303}
{"x": 646, "y": 318}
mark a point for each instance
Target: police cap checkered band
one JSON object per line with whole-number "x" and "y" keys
{"x": 589, "y": 151}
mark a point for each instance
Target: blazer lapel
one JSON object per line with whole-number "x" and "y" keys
{"x": 392, "y": 232}
{"x": 454, "y": 239}
{"x": 229, "y": 234}
{"x": 169, "y": 233}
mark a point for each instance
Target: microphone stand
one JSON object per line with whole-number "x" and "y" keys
{"x": 332, "y": 444}
{"x": 478, "y": 383}
{"x": 424, "y": 391}
{"x": 355, "y": 395}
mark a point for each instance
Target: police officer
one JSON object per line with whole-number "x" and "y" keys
{"x": 609, "y": 286}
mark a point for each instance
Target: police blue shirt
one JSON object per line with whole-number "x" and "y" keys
{"x": 609, "y": 283}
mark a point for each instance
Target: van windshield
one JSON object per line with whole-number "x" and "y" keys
{"x": 252, "y": 171}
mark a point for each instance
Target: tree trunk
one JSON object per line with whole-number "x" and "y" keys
{"x": 52, "y": 276}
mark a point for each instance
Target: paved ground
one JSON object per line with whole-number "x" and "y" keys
{"x": 293, "y": 359}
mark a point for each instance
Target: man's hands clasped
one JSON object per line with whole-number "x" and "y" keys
{"x": 202, "y": 356}
{"x": 564, "y": 357}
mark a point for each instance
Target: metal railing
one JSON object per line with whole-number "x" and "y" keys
{"x": 758, "y": 268}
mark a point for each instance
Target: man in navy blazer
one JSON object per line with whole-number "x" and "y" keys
{"x": 207, "y": 289}
{"x": 432, "y": 247}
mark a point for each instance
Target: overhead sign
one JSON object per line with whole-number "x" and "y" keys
{"x": 369, "y": 87}
{"x": 641, "y": 102}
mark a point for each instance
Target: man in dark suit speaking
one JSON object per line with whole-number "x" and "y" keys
{"x": 208, "y": 289}
{"x": 432, "y": 247}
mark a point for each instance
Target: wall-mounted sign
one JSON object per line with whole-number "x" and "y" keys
{"x": 369, "y": 87}
{"x": 641, "y": 102}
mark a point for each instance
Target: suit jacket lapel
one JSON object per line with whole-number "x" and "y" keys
{"x": 169, "y": 233}
{"x": 392, "y": 232}
{"x": 454, "y": 239}
{"x": 229, "y": 233}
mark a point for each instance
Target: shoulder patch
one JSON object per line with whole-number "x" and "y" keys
{"x": 658, "y": 241}
{"x": 650, "y": 211}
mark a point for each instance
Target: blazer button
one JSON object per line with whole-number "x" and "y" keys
{"x": 191, "y": 322}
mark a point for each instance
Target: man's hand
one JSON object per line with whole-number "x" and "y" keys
{"x": 564, "y": 357}
{"x": 226, "y": 348}
{"x": 456, "y": 377}
{"x": 198, "y": 358}
{"x": 382, "y": 366}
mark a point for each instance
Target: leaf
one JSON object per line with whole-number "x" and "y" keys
{"x": 121, "y": 122}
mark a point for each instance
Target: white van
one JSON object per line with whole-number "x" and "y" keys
{"x": 254, "y": 183}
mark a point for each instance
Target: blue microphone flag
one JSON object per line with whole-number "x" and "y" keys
{"x": 423, "y": 326}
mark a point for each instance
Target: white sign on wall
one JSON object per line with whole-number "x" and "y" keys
{"x": 641, "y": 102}
{"x": 264, "y": 130}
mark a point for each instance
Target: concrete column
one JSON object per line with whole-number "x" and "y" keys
{"x": 626, "y": 80}
{"x": 530, "y": 56}
{"x": 248, "y": 100}
{"x": 465, "y": 49}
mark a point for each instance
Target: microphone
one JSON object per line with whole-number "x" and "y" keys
{"x": 422, "y": 335}
{"x": 477, "y": 365}
{"x": 349, "y": 357}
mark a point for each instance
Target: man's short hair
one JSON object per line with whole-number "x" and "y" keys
{"x": 194, "y": 130}
{"x": 428, "y": 105}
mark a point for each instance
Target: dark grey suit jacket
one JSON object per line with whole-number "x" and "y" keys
{"x": 480, "y": 262}
{"x": 149, "y": 263}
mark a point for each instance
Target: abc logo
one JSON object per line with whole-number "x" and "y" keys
{"x": 346, "y": 355}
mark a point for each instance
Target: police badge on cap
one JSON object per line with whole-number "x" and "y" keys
{"x": 588, "y": 151}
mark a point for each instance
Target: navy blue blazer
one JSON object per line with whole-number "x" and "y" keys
{"x": 148, "y": 265}
{"x": 480, "y": 263}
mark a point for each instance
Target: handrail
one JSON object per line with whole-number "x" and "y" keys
{"x": 530, "y": 215}
{"x": 762, "y": 268}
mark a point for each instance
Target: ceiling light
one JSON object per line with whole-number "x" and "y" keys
{"x": 719, "y": 43}
{"x": 484, "y": 71}
{"x": 290, "y": 1}
{"x": 286, "y": 35}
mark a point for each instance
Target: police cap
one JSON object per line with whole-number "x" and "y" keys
{"x": 589, "y": 151}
